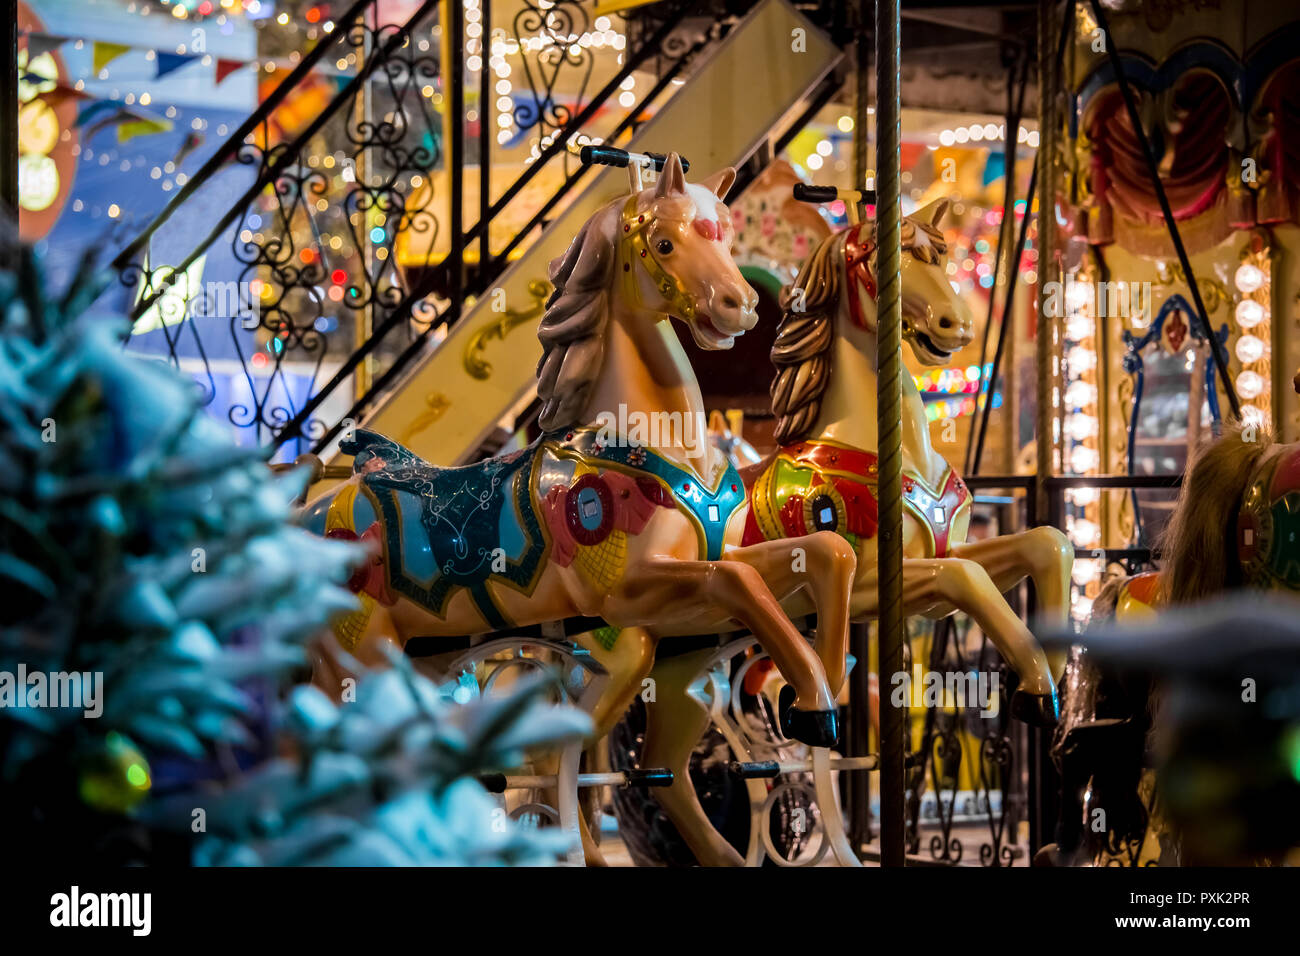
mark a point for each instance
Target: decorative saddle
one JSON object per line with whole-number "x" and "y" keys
{"x": 448, "y": 528}
{"x": 825, "y": 486}
{"x": 568, "y": 495}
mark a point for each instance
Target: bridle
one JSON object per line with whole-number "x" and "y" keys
{"x": 634, "y": 247}
{"x": 859, "y": 247}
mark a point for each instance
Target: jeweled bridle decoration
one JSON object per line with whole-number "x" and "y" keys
{"x": 634, "y": 247}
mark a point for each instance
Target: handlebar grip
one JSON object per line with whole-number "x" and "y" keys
{"x": 613, "y": 156}
{"x": 805, "y": 193}
{"x": 649, "y": 777}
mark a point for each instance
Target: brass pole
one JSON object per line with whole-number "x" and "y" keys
{"x": 1044, "y": 345}
{"x": 889, "y": 411}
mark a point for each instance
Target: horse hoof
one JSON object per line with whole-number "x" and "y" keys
{"x": 1037, "y": 710}
{"x": 816, "y": 728}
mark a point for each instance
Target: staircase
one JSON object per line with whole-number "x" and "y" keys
{"x": 370, "y": 271}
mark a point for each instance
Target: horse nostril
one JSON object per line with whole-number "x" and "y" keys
{"x": 730, "y": 301}
{"x": 945, "y": 322}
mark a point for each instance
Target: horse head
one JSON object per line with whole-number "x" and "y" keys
{"x": 663, "y": 251}
{"x": 936, "y": 322}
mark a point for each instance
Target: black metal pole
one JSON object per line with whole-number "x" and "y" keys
{"x": 859, "y": 722}
{"x": 889, "y": 403}
{"x": 1015, "y": 108}
{"x": 9, "y": 124}
{"x": 1153, "y": 167}
{"x": 1007, "y": 319}
{"x": 485, "y": 132}
{"x": 456, "y": 155}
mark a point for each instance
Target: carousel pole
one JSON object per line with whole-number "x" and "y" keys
{"x": 889, "y": 411}
{"x": 1044, "y": 345}
{"x": 9, "y": 123}
{"x": 858, "y": 785}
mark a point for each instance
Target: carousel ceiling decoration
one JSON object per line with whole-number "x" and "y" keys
{"x": 1220, "y": 125}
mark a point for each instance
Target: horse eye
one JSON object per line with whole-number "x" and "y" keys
{"x": 664, "y": 247}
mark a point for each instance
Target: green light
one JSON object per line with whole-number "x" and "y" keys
{"x": 1291, "y": 750}
{"x": 137, "y": 776}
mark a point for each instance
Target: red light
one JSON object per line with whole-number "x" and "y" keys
{"x": 339, "y": 276}
{"x": 313, "y": 15}
{"x": 259, "y": 359}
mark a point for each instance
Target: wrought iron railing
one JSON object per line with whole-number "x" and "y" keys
{"x": 332, "y": 225}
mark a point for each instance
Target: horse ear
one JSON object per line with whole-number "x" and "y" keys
{"x": 672, "y": 181}
{"x": 720, "y": 183}
{"x": 932, "y": 213}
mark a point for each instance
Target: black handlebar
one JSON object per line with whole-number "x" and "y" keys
{"x": 613, "y": 156}
{"x": 819, "y": 194}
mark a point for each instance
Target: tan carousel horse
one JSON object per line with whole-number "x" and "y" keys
{"x": 823, "y": 478}
{"x": 640, "y": 529}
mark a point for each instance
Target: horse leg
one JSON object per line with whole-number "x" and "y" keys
{"x": 929, "y": 583}
{"x": 826, "y": 565}
{"x": 738, "y": 591}
{"x": 628, "y": 662}
{"x": 1044, "y": 555}
{"x": 675, "y": 722}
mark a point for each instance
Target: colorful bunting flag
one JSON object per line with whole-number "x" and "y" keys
{"x": 169, "y": 62}
{"x": 226, "y": 67}
{"x": 131, "y": 128}
{"x": 38, "y": 44}
{"x": 105, "y": 53}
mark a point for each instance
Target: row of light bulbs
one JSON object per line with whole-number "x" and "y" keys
{"x": 985, "y": 133}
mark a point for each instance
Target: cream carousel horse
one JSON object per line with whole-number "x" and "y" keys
{"x": 823, "y": 478}
{"x": 641, "y": 529}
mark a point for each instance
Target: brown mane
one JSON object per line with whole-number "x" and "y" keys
{"x": 573, "y": 327}
{"x": 802, "y": 351}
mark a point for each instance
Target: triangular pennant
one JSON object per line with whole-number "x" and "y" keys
{"x": 226, "y": 67}
{"x": 167, "y": 62}
{"x": 38, "y": 44}
{"x": 131, "y": 128}
{"x": 61, "y": 93}
{"x": 106, "y": 53}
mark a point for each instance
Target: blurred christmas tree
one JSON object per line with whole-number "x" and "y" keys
{"x": 157, "y": 603}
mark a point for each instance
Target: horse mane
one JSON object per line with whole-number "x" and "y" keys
{"x": 573, "y": 327}
{"x": 802, "y": 351}
{"x": 1199, "y": 543}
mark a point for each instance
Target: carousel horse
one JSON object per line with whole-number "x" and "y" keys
{"x": 1101, "y": 745}
{"x": 640, "y": 528}
{"x": 824, "y": 477}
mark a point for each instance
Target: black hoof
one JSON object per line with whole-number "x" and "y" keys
{"x": 1037, "y": 710}
{"x": 816, "y": 728}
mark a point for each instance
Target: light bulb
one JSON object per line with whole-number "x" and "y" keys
{"x": 1250, "y": 349}
{"x": 1082, "y": 460}
{"x": 1081, "y": 359}
{"x": 1249, "y": 384}
{"x": 1080, "y": 327}
{"x": 1249, "y": 313}
{"x": 1249, "y": 277}
{"x": 1080, "y": 394}
{"x": 1080, "y": 427}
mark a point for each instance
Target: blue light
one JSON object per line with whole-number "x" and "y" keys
{"x": 378, "y": 235}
